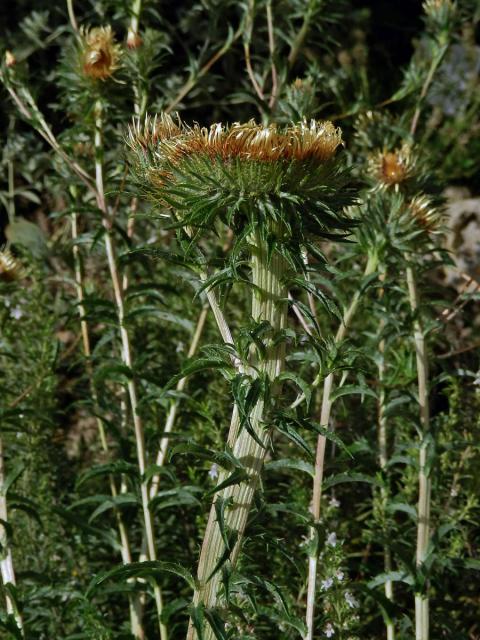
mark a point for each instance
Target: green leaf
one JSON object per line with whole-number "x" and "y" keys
{"x": 290, "y": 463}
{"x": 147, "y": 569}
{"x": 352, "y": 389}
{"x": 342, "y": 478}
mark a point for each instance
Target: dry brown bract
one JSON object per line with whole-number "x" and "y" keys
{"x": 393, "y": 168}
{"x": 427, "y": 214}
{"x": 100, "y": 54}
{"x": 170, "y": 141}
{"x": 10, "y": 268}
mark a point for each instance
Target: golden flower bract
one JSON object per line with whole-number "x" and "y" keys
{"x": 315, "y": 141}
{"x": 10, "y": 267}
{"x": 100, "y": 54}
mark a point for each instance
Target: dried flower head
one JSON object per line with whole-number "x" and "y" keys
{"x": 233, "y": 171}
{"x": 315, "y": 141}
{"x": 100, "y": 54}
{"x": 391, "y": 168}
{"x": 425, "y": 212}
{"x": 10, "y": 267}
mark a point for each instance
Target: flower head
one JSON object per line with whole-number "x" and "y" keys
{"x": 244, "y": 173}
{"x": 99, "y": 54}
{"x": 350, "y": 600}
{"x": 391, "y": 168}
{"x": 329, "y": 631}
{"x": 326, "y": 584}
{"x": 10, "y": 267}
{"x": 425, "y": 212}
{"x": 316, "y": 141}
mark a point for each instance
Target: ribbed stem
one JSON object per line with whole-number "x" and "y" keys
{"x": 6, "y": 557}
{"x": 320, "y": 453}
{"x": 268, "y": 304}
{"x": 383, "y": 460}
{"x": 126, "y": 358}
{"x": 424, "y": 481}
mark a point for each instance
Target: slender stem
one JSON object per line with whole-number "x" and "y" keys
{"x": 134, "y": 602}
{"x": 192, "y": 81}
{"x": 6, "y": 557}
{"x": 172, "y": 414}
{"x": 320, "y": 453}
{"x": 271, "y": 46}
{"x": 268, "y": 304}
{"x": 126, "y": 357}
{"x": 302, "y": 34}
{"x": 383, "y": 460}
{"x": 424, "y": 481}
{"x": 71, "y": 15}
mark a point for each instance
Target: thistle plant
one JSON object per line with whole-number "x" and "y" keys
{"x": 278, "y": 190}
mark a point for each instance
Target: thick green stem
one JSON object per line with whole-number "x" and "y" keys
{"x": 320, "y": 453}
{"x": 126, "y": 358}
{"x": 424, "y": 481}
{"x": 269, "y": 303}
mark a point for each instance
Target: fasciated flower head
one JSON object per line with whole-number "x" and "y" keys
{"x": 233, "y": 171}
{"x": 100, "y": 54}
{"x": 10, "y": 267}
{"x": 316, "y": 141}
{"x": 392, "y": 168}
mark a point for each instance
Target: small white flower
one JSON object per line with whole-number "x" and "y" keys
{"x": 326, "y": 584}
{"x": 7, "y": 302}
{"x": 180, "y": 347}
{"x": 454, "y": 492}
{"x": 334, "y": 503}
{"x": 332, "y": 539}
{"x": 339, "y": 575}
{"x": 213, "y": 473}
{"x": 351, "y": 601}
{"x": 329, "y": 630}
{"x": 16, "y": 313}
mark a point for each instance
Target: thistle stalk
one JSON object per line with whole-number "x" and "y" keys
{"x": 383, "y": 461}
{"x": 126, "y": 358}
{"x": 424, "y": 481}
{"x": 269, "y": 304}
{"x": 325, "y": 412}
{"x": 6, "y": 558}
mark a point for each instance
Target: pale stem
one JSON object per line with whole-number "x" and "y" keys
{"x": 134, "y": 603}
{"x": 71, "y": 15}
{"x": 271, "y": 46}
{"x": 126, "y": 358}
{"x": 172, "y": 413}
{"x": 424, "y": 481}
{"x": 383, "y": 460}
{"x": 268, "y": 304}
{"x": 6, "y": 557}
{"x": 320, "y": 452}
